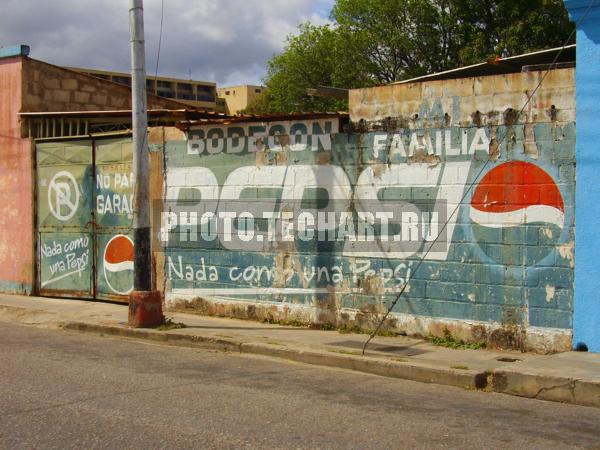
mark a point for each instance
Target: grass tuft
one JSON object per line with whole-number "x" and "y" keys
{"x": 450, "y": 341}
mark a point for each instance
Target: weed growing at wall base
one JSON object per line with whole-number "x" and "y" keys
{"x": 451, "y": 342}
{"x": 169, "y": 324}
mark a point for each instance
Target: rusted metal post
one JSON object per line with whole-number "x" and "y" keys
{"x": 145, "y": 305}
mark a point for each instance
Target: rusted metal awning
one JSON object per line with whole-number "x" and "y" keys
{"x": 189, "y": 114}
{"x": 69, "y": 124}
{"x": 328, "y": 92}
{"x": 274, "y": 117}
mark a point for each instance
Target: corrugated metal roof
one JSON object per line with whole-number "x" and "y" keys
{"x": 498, "y": 66}
{"x": 246, "y": 118}
{"x": 190, "y": 115}
{"x": 99, "y": 121}
{"x": 183, "y": 114}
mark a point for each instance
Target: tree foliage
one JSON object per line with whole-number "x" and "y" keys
{"x": 510, "y": 27}
{"x": 382, "y": 41}
{"x": 314, "y": 57}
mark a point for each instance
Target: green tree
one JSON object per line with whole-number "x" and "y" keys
{"x": 383, "y": 41}
{"x": 400, "y": 38}
{"x": 315, "y": 56}
{"x": 260, "y": 104}
{"x": 508, "y": 27}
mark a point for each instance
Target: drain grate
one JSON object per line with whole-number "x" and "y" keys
{"x": 507, "y": 359}
{"x": 395, "y": 349}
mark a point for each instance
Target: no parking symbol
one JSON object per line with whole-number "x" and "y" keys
{"x": 63, "y": 196}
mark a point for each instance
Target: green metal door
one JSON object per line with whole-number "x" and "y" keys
{"x": 84, "y": 212}
{"x": 114, "y": 218}
{"x": 65, "y": 219}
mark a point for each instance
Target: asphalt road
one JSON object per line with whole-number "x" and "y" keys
{"x": 66, "y": 390}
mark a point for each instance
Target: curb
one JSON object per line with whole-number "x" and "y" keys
{"x": 467, "y": 379}
{"x": 578, "y": 391}
{"x": 542, "y": 387}
{"x": 545, "y": 387}
{"x": 181, "y": 340}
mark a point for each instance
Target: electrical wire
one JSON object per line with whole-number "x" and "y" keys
{"x": 160, "y": 35}
{"x": 162, "y": 16}
{"x": 472, "y": 184}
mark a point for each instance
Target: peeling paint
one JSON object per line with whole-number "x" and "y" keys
{"x": 496, "y": 274}
{"x": 566, "y": 251}
{"x": 548, "y": 232}
{"x": 550, "y": 291}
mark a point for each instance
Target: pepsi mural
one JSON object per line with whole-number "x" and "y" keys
{"x": 66, "y": 263}
{"x": 511, "y": 197}
{"x": 443, "y": 190}
{"x": 114, "y": 188}
{"x": 117, "y": 260}
{"x": 506, "y": 250}
{"x": 84, "y": 218}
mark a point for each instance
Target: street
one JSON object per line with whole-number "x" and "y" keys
{"x": 61, "y": 389}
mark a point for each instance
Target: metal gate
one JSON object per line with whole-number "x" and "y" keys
{"x": 84, "y": 217}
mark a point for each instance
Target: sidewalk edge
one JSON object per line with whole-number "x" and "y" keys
{"x": 542, "y": 387}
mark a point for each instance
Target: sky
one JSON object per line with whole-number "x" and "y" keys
{"x": 225, "y": 41}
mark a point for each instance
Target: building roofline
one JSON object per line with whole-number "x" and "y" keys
{"x": 148, "y": 76}
{"x": 10, "y": 51}
{"x": 242, "y": 86}
{"x": 498, "y": 66}
{"x": 275, "y": 117}
{"x": 182, "y": 114}
{"x": 112, "y": 83}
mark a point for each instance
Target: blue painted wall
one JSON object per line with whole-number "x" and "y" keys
{"x": 587, "y": 248}
{"x": 509, "y": 274}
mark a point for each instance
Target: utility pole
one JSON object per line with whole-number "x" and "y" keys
{"x": 145, "y": 305}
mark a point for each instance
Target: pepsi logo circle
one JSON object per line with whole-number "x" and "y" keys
{"x": 517, "y": 213}
{"x": 118, "y": 264}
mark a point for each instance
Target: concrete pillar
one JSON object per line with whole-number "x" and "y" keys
{"x": 586, "y": 321}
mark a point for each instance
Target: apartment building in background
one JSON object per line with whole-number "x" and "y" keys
{"x": 238, "y": 97}
{"x": 200, "y": 94}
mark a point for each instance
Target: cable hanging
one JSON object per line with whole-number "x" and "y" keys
{"x": 471, "y": 185}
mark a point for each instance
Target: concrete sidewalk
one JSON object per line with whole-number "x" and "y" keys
{"x": 572, "y": 377}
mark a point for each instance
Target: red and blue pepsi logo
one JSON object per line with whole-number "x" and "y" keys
{"x": 517, "y": 193}
{"x": 118, "y": 264}
{"x": 517, "y": 203}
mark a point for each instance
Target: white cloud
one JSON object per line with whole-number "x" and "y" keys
{"x": 227, "y": 41}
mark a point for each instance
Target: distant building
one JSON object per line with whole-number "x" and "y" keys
{"x": 238, "y": 97}
{"x": 201, "y": 94}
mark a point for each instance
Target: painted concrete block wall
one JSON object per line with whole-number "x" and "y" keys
{"x": 505, "y": 273}
{"x": 16, "y": 188}
{"x": 587, "y": 273}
